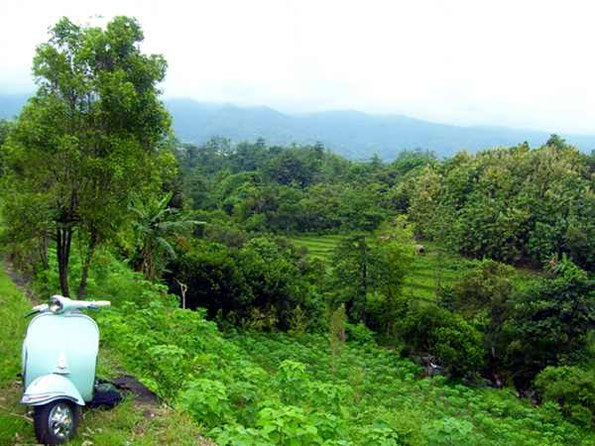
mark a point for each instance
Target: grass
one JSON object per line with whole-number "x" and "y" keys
{"x": 320, "y": 247}
{"x": 126, "y": 424}
{"x": 433, "y": 269}
{"x": 14, "y": 426}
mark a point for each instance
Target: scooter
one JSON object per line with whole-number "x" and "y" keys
{"x": 58, "y": 359}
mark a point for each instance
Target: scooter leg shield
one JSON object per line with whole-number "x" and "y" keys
{"x": 51, "y": 387}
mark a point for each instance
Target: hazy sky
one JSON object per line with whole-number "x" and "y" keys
{"x": 516, "y": 63}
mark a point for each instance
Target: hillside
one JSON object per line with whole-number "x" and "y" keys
{"x": 268, "y": 388}
{"x": 353, "y": 134}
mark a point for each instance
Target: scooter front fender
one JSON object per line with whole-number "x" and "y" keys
{"x": 48, "y": 388}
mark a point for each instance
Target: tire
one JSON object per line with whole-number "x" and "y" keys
{"x": 56, "y": 422}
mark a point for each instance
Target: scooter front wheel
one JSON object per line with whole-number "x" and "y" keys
{"x": 55, "y": 422}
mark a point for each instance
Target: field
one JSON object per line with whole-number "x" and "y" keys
{"x": 433, "y": 269}
{"x": 428, "y": 271}
{"x": 318, "y": 246}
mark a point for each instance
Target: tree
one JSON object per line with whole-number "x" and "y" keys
{"x": 515, "y": 205}
{"x": 91, "y": 139}
{"x": 573, "y": 388}
{"x": 550, "y": 322}
{"x": 158, "y": 227}
{"x": 261, "y": 284}
{"x": 5, "y": 128}
{"x": 481, "y": 297}
{"x": 367, "y": 276}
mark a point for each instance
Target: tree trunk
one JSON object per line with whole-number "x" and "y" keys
{"x": 364, "y": 278}
{"x": 86, "y": 266}
{"x": 43, "y": 251}
{"x": 64, "y": 239}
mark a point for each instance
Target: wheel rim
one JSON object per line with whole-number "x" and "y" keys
{"x": 61, "y": 420}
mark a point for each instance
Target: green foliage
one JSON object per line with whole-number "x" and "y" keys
{"x": 573, "y": 388}
{"x": 453, "y": 341}
{"x": 286, "y": 189}
{"x": 359, "y": 333}
{"x": 89, "y": 141}
{"x": 260, "y": 285}
{"x": 367, "y": 275}
{"x": 449, "y": 431}
{"x": 550, "y": 322}
{"x": 526, "y": 323}
{"x": 298, "y": 321}
{"x": 91, "y": 153}
{"x": 482, "y": 296}
{"x": 13, "y": 306}
{"x": 5, "y": 129}
{"x": 168, "y": 369}
{"x": 158, "y": 229}
{"x": 206, "y": 400}
{"x": 275, "y": 388}
{"x": 512, "y": 205}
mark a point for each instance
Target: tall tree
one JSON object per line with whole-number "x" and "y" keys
{"x": 368, "y": 273}
{"x": 91, "y": 138}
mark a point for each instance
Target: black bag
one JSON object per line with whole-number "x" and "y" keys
{"x": 106, "y": 396}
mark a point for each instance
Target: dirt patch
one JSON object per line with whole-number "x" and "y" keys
{"x": 148, "y": 402}
{"x": 21, "y": 281}
{"x": 143, "y": 397}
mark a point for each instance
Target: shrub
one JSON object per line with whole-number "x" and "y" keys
{"x": 572, "y": 388}
{"x": 452, "y": 340}
{"x": 206, "y": 400}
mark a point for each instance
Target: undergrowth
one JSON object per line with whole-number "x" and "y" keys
{"x": 272, "y": 388}
{"x": 127, "y": 424}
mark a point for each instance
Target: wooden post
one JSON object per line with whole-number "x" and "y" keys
{"x": 183, "y": 289}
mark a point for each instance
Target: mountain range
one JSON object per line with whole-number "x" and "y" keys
{"x": 354, "y": 134}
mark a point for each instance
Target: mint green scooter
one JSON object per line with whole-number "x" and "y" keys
{"x": 59, "y": 357}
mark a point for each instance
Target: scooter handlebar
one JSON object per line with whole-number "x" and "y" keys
{"x": 60, "y": 304}
{"x": 39, "y": 308}
{"x": 88, "y": 304}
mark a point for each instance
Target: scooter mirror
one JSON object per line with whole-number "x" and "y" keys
{"x": 55, "y": 305}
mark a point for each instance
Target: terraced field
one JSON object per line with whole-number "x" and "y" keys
{"x": 319, "y": 246}
{"x": 433, "y": 269}
{"x": 427, "y": 272}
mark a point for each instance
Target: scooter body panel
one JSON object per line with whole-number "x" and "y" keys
{"x": 47, "y": 388}
{"x": 62, "y": 345}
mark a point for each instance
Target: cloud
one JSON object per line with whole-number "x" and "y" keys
{"x": 523, "y": 64}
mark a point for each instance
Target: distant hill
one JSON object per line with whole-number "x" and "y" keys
{"x": 11, "y": 104}
{"x": 354, "y": 134}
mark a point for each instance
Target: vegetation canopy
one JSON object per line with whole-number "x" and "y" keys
{"x": 89, "y": 142}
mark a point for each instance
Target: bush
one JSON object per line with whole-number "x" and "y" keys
{"x": 262, "y": 285}
{"x": 206, "y": 400}
{"x": 550, "y": 322}
{"x": 359, "y": 333}
{"x": 453, "y": 341}
{"x": 572, "y": 388}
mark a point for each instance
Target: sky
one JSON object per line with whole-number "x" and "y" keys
{"x": 521, "y": 63}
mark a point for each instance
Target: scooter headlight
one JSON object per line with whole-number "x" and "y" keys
{"x": 55, "y": 305}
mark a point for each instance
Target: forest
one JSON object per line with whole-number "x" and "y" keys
{"x": 286, "y": 294}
